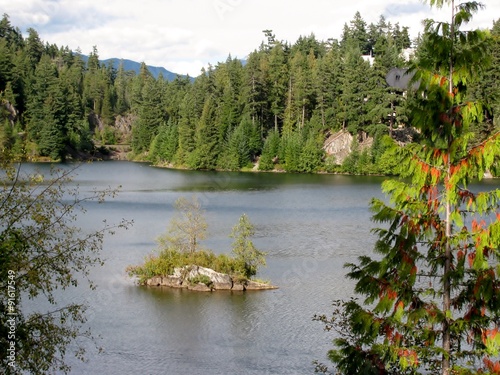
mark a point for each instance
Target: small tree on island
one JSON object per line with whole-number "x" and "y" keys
{"x": 432, "y": 296}
{"x": 243, "y": 248}
{"x": 187, "y": 227}
{"x": 179, "y": 247}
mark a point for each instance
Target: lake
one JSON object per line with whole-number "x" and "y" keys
{"x": 309, "y": 225}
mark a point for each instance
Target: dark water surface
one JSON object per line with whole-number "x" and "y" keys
{"x": 310, "y": 226}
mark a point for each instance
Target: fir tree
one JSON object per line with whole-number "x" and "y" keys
{"x": 432, "y": 295}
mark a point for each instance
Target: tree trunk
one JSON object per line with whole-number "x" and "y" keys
{"x": 448, "y": 255}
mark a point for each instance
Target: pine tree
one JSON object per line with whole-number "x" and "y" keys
{"x": 291, "y": 151}
{"x": 270, "y": 151}
{"x": 34, "y": 48}
{"x": 491, "y": 83}
{"x": 150, "y": 116}
{"x": 328, "y": 89}
{"x": 207, "y": 148}
{"x": 312, "y": 153}
{"x": 352, "y": 109}
{"x": 47, "y": 111}
{"x": 278, "y": 79}
{"x": 432, "y": 301}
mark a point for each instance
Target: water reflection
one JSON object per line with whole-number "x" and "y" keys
{"x": 310, "y": 226}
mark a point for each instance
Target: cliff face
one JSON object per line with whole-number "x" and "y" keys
{"x": 340, "y": 144}
{"x": 12, "y": 112}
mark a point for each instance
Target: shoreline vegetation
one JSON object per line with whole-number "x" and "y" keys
{"x": 182, "y": 263}
{"x": 309, "y": 106}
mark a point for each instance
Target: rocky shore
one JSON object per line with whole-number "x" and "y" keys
{"x": 205, "y": 280}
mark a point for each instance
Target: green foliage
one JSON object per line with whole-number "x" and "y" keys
{"x": 164, "y": 146}
{"x": 42, "y": 251}
{"x": 243, "y": 248}
{"x": 151, "y": 116}
{"x": 186, "y": 228}
{"x": 242, "y": 265}
{"x": 270, "y": 151}
{"x": 168, "y": 260}
{"x": 311, "y": 158}
{"x": 224, "y": 118}
{"x": 203, "y": 279}
{"x": 243, "y": 144}
{"x": 108, "y": 135}
{"x": 430, "y": 296}
{"x": 291, "y": 151}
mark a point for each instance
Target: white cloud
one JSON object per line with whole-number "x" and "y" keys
{"x": 184, "y": 35}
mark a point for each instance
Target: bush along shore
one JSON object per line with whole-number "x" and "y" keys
{"x": 180, "y": 262}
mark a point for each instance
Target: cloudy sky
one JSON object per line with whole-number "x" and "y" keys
{"x": 185, "y": 35}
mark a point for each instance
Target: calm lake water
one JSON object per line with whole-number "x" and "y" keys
{"x": 310, "y": 226}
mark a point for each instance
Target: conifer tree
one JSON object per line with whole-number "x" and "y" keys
{"x": 432, "y": 295}
{"x": 151, "y": 115}
{"x": 270, "y": 151}
{"x": 47, "y": 111}
{"x": 278, "y": 78}
{"x": 207, "y": 149}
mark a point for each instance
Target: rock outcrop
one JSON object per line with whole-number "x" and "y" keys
{"x": 340, "y": 144}
{"x": 188, "y": 276}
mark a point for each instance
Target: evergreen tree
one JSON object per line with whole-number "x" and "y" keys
{"x": 47, "y": 111}
{"x": 431, "y": 296}
{"x": 278, "y": 79}
{"x": 311, "y": 157}
{"x": 93, "y": 86}
{"x": 491, "y": 82}
{"x": 292, "y": 151}
{"x": 270, "y": 151}
{"x": 187, "y": 128}
{"x": 352, "y": 109}
{"x": 357, "y": 35}
{"x": 164, "y": 145}
{"x": 207, "y": 147}
{"x": 328, "y": 89}
{"x": 255, "y": 90}
{"x": 11, "y": 35}
{"x": 121, "y": 82}
{"x": 6, "y": 64}
{"x": 151, "y": 115}
{"x": 34, "y": 48}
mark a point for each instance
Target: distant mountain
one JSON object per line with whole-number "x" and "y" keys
{"x": 136, "y": 66}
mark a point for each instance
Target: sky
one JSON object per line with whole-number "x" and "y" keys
{"x": 185, "y": 35}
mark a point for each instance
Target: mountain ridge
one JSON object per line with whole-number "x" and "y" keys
{"x": 130, "y": 65}
{"x": 135, "y": 66}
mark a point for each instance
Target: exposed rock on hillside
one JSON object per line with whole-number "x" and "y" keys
{"x": 340, "y": 144}
{"x": 123, "y": 124}
{"x": 12, "y": 112}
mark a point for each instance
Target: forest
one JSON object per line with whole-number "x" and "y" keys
{"x": 272, "y": 111}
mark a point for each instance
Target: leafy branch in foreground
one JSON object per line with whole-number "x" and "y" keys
{"x": 432, "y": 295}
{"x": 42, "y": 250}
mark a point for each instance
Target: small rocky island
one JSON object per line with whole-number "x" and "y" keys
{"x": 204, "y": 279}
{"x": 181, "y": 263}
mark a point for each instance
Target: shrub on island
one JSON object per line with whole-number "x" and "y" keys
{"x": 180, "y": 262}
